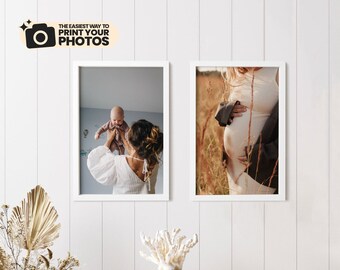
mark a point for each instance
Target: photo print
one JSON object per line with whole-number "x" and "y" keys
{"x": 121, "y": 131}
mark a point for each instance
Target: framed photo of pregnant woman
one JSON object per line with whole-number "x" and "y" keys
{"x": 120, "y": 131}
{"x": 238, "y": 131}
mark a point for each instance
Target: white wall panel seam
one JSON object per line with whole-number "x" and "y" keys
{"x": 134, "y": 30}
{"x": 296, "y": 131}
{"x": 231, "y": 39}
{"x": 232, "y": 204}
{"x": 134, "y": 203}
{"x": 231, "y": 236}
{"x": 102, "y": 203}
{"x": 199, "y": 29}
{"x": 264, "y": 204}
{"x": 166, "y": 44}
{"x": 296, "y": 136}
{"x": 264, "y": 236}
{"x": 134, "y": 234}
{"x": 263, "y": 31}
{"x": 199, "y": 203}
{"x": 37, "y": 101}
{"x": 329, "y": 134}
{"x": 69, "y": 144}
{"x": 102, "y": 18}
{"x": 102, "y": 219}
{"x": 167, "y": 58}
{"x": 37, "y": 116}
{"x": 5, "y": 107}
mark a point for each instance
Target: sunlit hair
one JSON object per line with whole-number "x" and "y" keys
{"x": 233, "y": 76}
{"x": 147, "y": 140}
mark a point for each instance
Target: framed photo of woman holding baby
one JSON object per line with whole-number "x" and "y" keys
{"x": 238, "y": 131}
{"x": 120, "y": 131}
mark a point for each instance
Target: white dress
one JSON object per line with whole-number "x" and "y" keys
{"x": 114, "y": 170}
{"x": 265, "y": 96}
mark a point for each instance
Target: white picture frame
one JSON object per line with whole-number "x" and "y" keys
{"x": 281, "y": 196}
{"x": 78, "y": 195}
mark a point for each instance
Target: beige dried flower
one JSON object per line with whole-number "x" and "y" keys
{"x": 68, "y": 263}
{"x": 5, "y": 263}
{"x": 36, "y": 218}
{"x": 32, "y": 227}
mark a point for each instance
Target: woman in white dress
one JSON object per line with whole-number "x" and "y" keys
{"x": 257, "y": 90}
{"x": 136, "y": 172}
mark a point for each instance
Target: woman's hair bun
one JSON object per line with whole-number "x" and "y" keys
{"x": 147, "y": 139}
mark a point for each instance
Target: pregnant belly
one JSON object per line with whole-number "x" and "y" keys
{"x": 237, "y": 135}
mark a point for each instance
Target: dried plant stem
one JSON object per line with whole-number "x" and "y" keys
{"x": 8, "y": 240}
{"x": 27, "y": 258}
{"x": 273, "y": 173}
{"x": 258, "y": 156}
{"x": 250, "y": 119}
{"x": 269, "y": 179}
{"x": 224, "y": 91}
{"x": 206, "y": 124}
{"x": 204, "y": 128}
{"x": 211, "y": 176}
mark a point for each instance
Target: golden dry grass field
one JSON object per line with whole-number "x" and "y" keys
{"x": 211, "y": 176}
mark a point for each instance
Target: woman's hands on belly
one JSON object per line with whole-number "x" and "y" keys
{"x": 237, "y": 135}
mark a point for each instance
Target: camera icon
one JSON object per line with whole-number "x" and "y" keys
{"x": 39, "y": 36}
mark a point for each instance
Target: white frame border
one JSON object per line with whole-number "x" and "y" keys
{"x": 282, "y": 130}
{"x": 74, "y": 130}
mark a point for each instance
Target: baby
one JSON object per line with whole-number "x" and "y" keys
{"x": 117, "y": 122}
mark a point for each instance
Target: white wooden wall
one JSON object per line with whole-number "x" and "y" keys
{"x": 302, "y": 233}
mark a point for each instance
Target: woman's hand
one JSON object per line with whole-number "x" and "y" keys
{"x": 121, "y": 134}
{"x": 110, "y": 136}
{"x": 244, "y": 161}
{"x": 238, "y": 110}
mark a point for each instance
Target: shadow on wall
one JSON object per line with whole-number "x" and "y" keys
{"x": 90, "y": 121}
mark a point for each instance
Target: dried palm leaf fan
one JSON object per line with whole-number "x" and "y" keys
{"x": 36, "y": 218}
